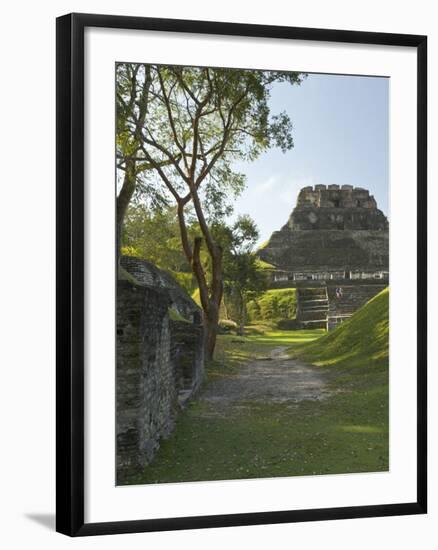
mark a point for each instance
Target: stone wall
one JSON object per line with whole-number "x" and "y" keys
{"x": 188, "y": 357}
{"x": 334, "y": 208}
{"x": 325, "y": 251}
{"x": 160, "y": 366}
{"x": 334, "y": 196}
{"x": 146, "y": 273}
{"x": 146, "y": 391}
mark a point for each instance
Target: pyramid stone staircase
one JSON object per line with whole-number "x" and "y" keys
{"x": 312, "y": 307}
{"x": 353, "y": 297}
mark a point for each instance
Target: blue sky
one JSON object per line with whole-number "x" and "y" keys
{"x": 341, "y": 137}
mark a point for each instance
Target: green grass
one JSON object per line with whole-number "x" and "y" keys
{"x": 233, "y": 351}
{"x": 185, "y": 280}
{"x": 268, "y": 441}
{"x": 346, "y": 432}
{"x": 360, "y": 342}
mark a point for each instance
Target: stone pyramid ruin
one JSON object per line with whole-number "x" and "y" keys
{"x": 333, "y": 233}
{"x": 334, "y": 250}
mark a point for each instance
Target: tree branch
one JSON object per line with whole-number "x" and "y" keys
{"x": 162, "y": 175}
{"x": 184, "y": 233}
{"x": 171, "y": 121}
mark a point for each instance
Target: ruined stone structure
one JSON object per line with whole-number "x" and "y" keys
{"x": 333, "y": 233}
{"x": 148, "y": 274}
{"x": 160, "y": 361}
{"x": 334, "y": 236}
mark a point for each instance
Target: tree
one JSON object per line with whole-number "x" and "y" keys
{"x": 200, "y": 121}
{"x": 243, "y": 279}
{"x": 132, "y": 106}
{"x": 133, "y": 101}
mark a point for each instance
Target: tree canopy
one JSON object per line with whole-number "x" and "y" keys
{"x": 180, "y": 132}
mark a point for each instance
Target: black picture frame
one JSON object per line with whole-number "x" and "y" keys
{"x": 70, "y": 273}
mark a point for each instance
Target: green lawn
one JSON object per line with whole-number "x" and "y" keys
{"x": 347, "y": 432}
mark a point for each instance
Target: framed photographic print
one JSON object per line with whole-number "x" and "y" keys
{"x": 241, "y": 274}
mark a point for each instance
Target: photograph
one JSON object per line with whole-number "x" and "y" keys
{"x": 216, "y": 283}
{"x": 252, "y": 273}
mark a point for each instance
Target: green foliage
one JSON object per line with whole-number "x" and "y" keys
{"x": 180, "y": 131}
{"x": 243, "y": 278}
{"x": 186, "y": 280}
{"x": 132, "y": 251}
{"x": 153, "y": 234}
{"x": 157, "y": 107}
{"x": 133, "y": 102}
{"x": 273, "y": 305}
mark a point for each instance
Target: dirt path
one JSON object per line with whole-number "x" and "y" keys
{"x": 275, "y": 378}
{"x": 273, "y": 417}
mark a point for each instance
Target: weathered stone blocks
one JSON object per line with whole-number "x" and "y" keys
{"x": 160, "y": 366}
{"x": 332, "y": 233}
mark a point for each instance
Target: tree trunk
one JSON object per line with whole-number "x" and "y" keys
{"x": 123, "y": 201}
{"x": 217, "y": 291}
{"x": 241, "y": 316}
{"x": 227, "y": 316}
{"x": 210, "y": 298}
{"x": 211, "y": 324}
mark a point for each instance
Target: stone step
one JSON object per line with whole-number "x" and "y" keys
{"x": 322, "y": 307}
{"x": 312, "y": 307}
{"x": 312, "y": 315}
{"x": 314, "y": 290}
{"x": 317, "y": 323}
{"x": 352, "y": 299}
{"x": 313, "y": 304}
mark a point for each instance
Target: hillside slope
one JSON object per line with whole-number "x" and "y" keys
{"x": 362, "y": 341}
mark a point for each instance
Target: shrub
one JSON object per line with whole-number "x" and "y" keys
{"x": 226, "y": 326}
{"x": 273, "y": 305}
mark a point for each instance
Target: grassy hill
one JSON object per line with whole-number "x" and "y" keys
{"x": 355, "y": 359}
{"x": 362, "y": 341}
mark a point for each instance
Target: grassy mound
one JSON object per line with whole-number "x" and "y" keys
{"x": 362, "y": 341}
